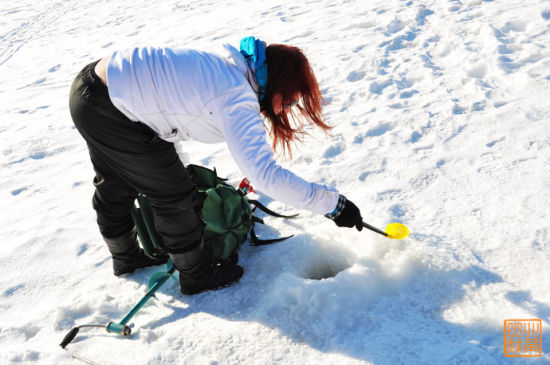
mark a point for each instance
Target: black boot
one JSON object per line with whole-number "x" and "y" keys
{"x": 197, "y": 273}
{"x": 128, "y": 256}
{"x": 232, "y": 259}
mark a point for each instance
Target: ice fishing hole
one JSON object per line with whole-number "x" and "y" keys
{"x": 326, "y": 266}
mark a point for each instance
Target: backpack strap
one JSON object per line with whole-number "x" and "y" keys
{"x": 255, "y": 241}
{"x": 264, "y": 209}
{"x": 143, "y": 218}
{"x": 257, "y": 220}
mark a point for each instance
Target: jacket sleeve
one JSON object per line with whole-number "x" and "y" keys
{"x": 242, "y": 125}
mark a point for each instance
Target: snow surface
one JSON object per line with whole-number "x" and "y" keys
{"x": 441, "y": 112}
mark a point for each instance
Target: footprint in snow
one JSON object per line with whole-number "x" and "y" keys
{"x": 378, "y": 88}
{"x": 378, "y": 131}
{"x": 508, "y": 49}
{"x": 389, "y": 195}
{"x": 477, "y": 72}
{"x": 356, "y": 75}
{"x": 415, "y": 137}
{"x": 398, "y": 211}
{"x": 455, "y": 133}
{"x": 478, "y": 106}
{"x": 333, "y": 151}
{"x": 422, "y": 181}
{"x": 39, "y": 81}
{"x": 509, "y": 60}
{"x": 10, "y": 291}
{"x": 492, "y": 143}
{"x": 399, "y": 42}
{"x": 363, "y": 176}
{"x": 395, "y": 26}
{"x": 358, "y": 139}
{"x": 422, "y": 14}
{"x": 18, "y": 191}
{"x": 82, "y": 249}
{"x": 514, "y": 26}
{"x": 366, "y": 25}
{"x": 407, "y": 94}
{"x": 457, "y": 110}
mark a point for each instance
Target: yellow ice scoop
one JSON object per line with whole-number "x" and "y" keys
{"x": 396, "y": 231}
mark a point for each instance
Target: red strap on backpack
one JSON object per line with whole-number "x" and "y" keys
{"x": 245, "y": 186}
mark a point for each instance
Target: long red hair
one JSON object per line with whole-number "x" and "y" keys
{"x": 289, "y": 73}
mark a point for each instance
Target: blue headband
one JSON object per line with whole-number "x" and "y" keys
{"x": 254, "y": 50}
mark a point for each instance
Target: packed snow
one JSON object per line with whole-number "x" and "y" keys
{"x": 441, "y": 115}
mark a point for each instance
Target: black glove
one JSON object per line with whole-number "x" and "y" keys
{"x": 346, "y": 214}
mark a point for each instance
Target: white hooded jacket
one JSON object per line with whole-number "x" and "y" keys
{"x": 188, "y": 94}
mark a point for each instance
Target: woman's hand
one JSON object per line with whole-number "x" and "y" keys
{"x": 346, "y": 214}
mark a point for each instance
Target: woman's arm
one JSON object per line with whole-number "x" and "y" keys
{"x": 245, "y": 135}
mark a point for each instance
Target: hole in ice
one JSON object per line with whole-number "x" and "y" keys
{"x": 326, "y": 265}
{"x": 324, "y": 271}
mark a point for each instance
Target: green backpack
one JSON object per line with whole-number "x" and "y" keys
{"x": 226, "y": 213}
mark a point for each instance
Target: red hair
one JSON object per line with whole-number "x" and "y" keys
{"x": 289, "y": 73}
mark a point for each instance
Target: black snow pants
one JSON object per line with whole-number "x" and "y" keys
{"x": 129, "y": 158}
